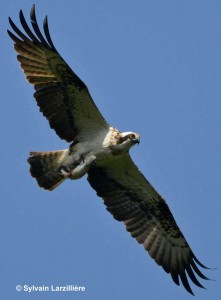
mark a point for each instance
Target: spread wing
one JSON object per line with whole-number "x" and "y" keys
{"x": 61, "y": 95}
{"x": 130, "y": 198}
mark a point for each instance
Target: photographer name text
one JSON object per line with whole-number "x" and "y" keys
{"x": 50, "y": 288}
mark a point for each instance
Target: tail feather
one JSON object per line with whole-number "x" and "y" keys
{"x": 44, "y": 166}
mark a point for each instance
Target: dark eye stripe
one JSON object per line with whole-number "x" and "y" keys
{"x": 132, "y": 136}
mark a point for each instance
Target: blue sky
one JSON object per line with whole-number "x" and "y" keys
{"x": 152, "y": 67}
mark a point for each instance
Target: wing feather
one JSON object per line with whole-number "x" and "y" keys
{"x": 60, "y": 94}
{"x": 130, "y": 198}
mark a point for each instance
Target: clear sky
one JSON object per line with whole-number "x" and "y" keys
{"x": 152, "y": 67}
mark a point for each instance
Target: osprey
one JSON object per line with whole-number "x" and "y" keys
{"x": 101, "y": 151}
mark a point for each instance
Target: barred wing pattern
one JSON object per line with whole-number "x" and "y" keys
{"x": 130, "y": 198}
{"x": 61, "y": 95}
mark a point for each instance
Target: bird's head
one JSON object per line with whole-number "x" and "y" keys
{"x": 125, "y": 140}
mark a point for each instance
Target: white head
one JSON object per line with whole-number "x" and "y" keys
{"x": 125, "y": 140}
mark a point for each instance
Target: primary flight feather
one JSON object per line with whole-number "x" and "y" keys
{"x": 99, "y": 150}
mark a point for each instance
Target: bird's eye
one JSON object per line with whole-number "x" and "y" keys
{"x": 132, "y": 136}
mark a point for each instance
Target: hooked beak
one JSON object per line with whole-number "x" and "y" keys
{"x": 136, "y": 141}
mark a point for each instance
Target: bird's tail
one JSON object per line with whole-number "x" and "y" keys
{"x": 44, "y": 166}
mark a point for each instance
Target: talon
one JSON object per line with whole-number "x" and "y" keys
{"x": 63, "y": 170}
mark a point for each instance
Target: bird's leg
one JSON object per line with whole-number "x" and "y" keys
{"x": 78, "y": 168}
{"x": 82, "y": 168}
{"x": 66, "y": 170}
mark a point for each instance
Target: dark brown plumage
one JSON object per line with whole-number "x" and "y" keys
{"x": 130, "y": 198}
{"x": 60, "y": 93}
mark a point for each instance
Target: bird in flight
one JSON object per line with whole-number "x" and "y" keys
{"x": 100, "y": 151}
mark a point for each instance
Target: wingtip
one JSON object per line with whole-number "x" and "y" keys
{"x": 199, "y": 263}
{"x": 185, "y": 282}
{"x": 47, "y": 33}
{"x": 33, "y": 7}
{"x": 10, "y": 33}
{"x": 45, "y": 22}
{"x": 32, "y": 13}
{"x": 20, "y": 13}
{"x": 10, "y": 21}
